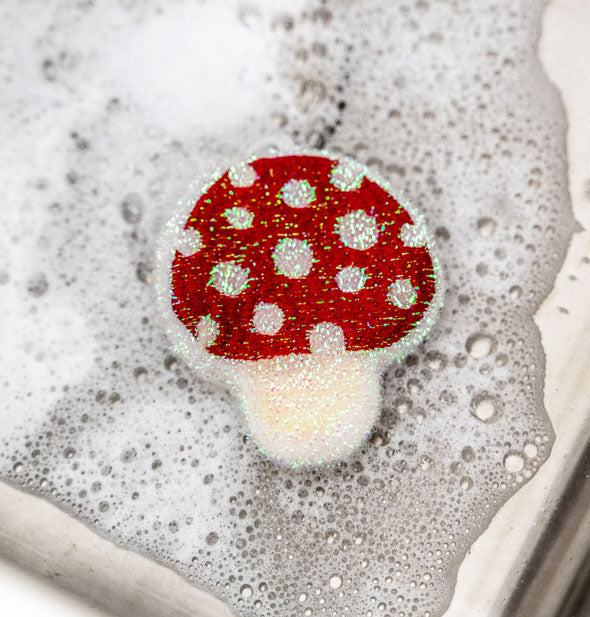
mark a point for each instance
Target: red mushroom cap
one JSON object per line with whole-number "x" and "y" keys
{"x": 297, "y": 248}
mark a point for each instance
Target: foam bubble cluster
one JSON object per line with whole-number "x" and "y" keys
{"x": 101, "y": 419}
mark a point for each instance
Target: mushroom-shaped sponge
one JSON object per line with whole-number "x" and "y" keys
{"x": 296, "y": 279}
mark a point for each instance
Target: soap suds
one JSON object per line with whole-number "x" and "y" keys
{"x": 107, "y": 112}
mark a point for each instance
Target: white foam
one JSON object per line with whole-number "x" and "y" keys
{"x": 450, "y": 106}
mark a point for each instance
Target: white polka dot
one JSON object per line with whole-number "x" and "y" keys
{"x": 229, "y": 278}
{"x": 268, "y": 318}
{"x": 357, "y": 230}
{"x": 326, "y": 337}
{"x": 293, "y": 258}
{"x": 239, "y": 218}
{"x": 413, "y": 235}
{"x": 207, "y": 331}
{"x": 189, "y": 242}
{"x": 347, "y": 175}
{"x": 242, "y": 175}
{"x": 298, "y": 193}
{"x": 402, "y": 293}
{"x": 351, "y": 279}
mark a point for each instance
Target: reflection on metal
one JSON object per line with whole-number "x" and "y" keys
{"x": 556, "y": 580}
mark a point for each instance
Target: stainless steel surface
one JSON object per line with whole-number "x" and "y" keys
{"x": 555, "y": 581}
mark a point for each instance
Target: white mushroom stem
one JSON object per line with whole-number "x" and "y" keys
{"x": 310, "y": 408}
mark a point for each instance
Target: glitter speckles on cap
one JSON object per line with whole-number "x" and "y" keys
{"x": 318, "y": 238}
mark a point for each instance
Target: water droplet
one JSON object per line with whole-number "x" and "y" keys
{"x": 467, "y": 454}
{"x": 128, "y": 455}
{"x": 485, "y": 407}
{"x": 69, "y": 452}
{"x": 456, "y": 467}
{"x": 246, "y": 591}
{"x": 486, "y": 227}
{"x": 403, "y": 405}
{"x": 466, "y": 483}
{"x": 435, "y": 360}
{"x": 501, "y": 359}
{"x": 335, "y": 581}
{"x": 212, "y": 538}
{"x": 379, "y": 438}
{"x": 425, "y": 462}
{"x": 140, "y": 373}
{"x": 513, "y": 462}
{"x": 297, "y": 516}
{"x": 480, "y": 345}
{"x": 530, "y": 450}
